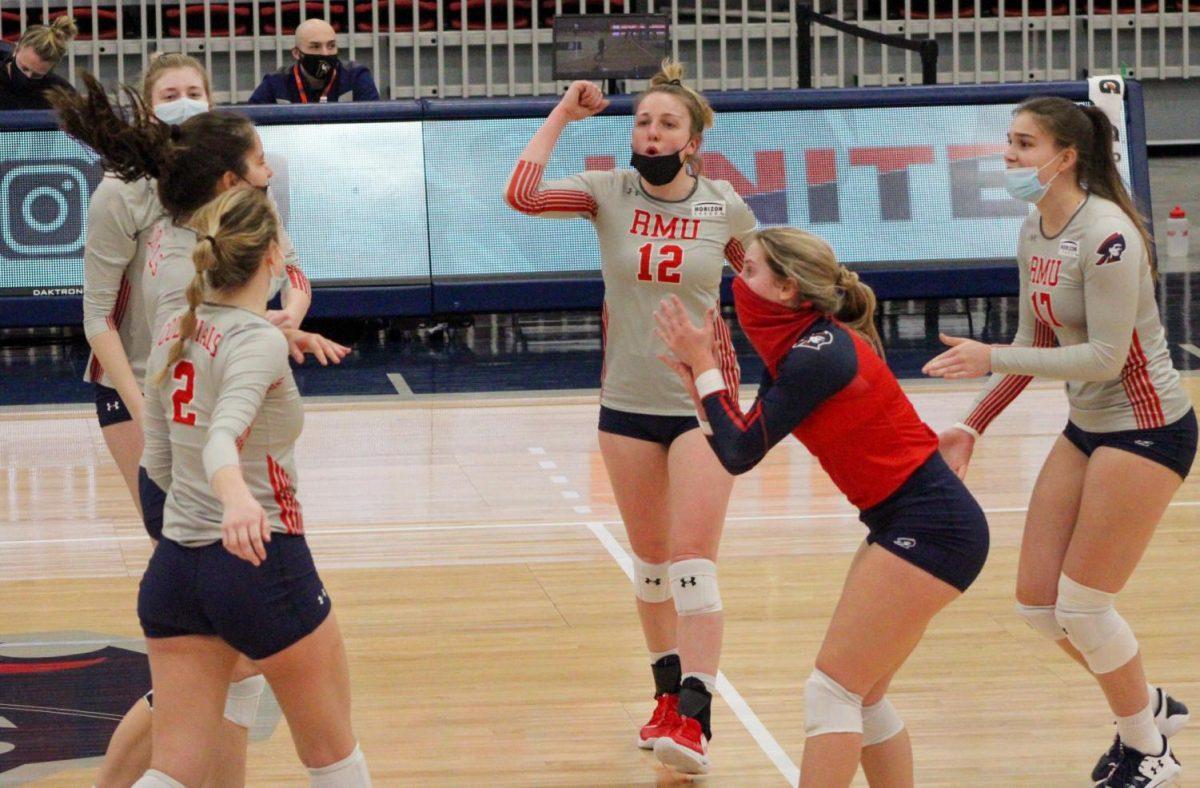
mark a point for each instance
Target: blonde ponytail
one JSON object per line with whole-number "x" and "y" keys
{"x": 669, "y": 80}
{"x": 234, "y": 233}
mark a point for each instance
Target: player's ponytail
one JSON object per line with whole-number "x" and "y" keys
{"x": 188, "y": 160}
{"x": 234, "y": 235}
{"x": 832, "y": 289}
{"x": 1089, "y": 131}
{"x": 670, "y": 80}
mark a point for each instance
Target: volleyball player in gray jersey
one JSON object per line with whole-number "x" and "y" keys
{"x": 233, "y": 573}
{"x": 1087, "y": 316}
{"x": 663, "y": 229}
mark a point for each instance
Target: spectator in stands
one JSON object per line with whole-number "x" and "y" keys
{"x": 25, "y": 72}
{"x": 317, "y": 76}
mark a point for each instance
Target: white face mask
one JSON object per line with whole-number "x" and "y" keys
{"x": 179, "y": 110}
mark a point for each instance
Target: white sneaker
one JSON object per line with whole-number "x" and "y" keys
{"x": 1170, "y": 717}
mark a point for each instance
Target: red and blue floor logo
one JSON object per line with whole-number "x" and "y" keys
{"x": 61, "y": 696}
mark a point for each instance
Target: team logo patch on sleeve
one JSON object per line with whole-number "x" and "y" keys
{"x": 1111, "y": 249}
{"x": 708, "y": 210}
{"x": 816, "y": 340}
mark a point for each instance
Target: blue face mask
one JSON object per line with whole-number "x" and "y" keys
{"x": 179, "y": 110}
{"x": 1022, "y": 182}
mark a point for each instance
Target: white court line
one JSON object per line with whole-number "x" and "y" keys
{"x": 732, "y": 697}
{"x": 393, "y": 529}
{"x": 1195, "y": 351}
{"x": 403, "y": 390}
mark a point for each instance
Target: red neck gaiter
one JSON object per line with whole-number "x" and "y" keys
{"x": 771, "y": 328}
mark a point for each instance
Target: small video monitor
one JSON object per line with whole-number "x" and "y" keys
{"x": 610, "y": 46}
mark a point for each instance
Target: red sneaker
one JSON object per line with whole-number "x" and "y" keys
{"x": 684, "y": 747}
{"x": 664, "y": 718}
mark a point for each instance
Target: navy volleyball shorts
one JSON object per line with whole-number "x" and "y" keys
{"x": 259, "y": 610}
{"x": 110, "y": 408}
{"x": 1173, "y": 446}
{"x": 933, "y": 522}
{"x": 656, "y": 429}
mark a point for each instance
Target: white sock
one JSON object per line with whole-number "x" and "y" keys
{"x": 153, "y": 778}
{"x": 349, "y": 772}
{"x": 1139, "y": 731}
{"x": 710, "y": 681}
{"x": 1155, "y": 699}
{"x": 655, "y": 656}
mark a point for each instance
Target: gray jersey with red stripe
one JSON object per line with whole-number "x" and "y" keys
{"x": 230, "y": 400}
{"x": 119, "y": 217}
{"x": 649, "y": 249}
{"x": 169, "y": 271}
{"x": 1088, "y": 316}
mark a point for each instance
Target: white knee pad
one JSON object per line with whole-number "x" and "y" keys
{"x": 241, "y": 701}
{"x": 350, "y": 772}
{"x": 153, "y": 778}
{"x": 1094, "y": 626}
{"x": 1042, "y": 619}
{"x": 694, "y": 586}
{"x": 880, "y": 722}
{"x": 651, "y": 582}
{"x": 829, "y": 707}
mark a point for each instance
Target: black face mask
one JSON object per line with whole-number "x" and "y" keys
{"x": 20, "y": 81}
{"x": 657, "y": 170}
{"x": 319, "y": 66}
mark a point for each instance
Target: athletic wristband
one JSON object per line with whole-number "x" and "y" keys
{"x": 710, "y": 381}
{"x": 969, "y": 430}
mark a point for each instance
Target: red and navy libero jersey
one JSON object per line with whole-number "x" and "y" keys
{"x": 838, "y": 397}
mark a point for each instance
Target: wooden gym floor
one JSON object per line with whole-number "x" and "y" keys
{"x": 477, "y": 563}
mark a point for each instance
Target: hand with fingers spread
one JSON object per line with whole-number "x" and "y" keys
{"x": 582, "y": 100}
{"x": 956, "y": 446}
{"x": 691, "y": 344}
{"x": 966, "y": 358}
{"x": 322, "y": 349}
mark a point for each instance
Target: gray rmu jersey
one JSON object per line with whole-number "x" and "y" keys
{"x": 169, "y": 271}
{"x": 120, "y": 215}
{"x": 229, "y": 400}
{"x": 1088, "y": 316}
{"x": 649, "y": 249}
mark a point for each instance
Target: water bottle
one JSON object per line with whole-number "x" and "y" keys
{"x": 1177, "y": 235}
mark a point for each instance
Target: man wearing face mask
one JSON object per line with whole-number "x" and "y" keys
{"x": 317, "y": 76}
{"x": 25, "y": 72}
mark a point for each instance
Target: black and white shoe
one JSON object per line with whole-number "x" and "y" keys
{"x": 1135, "y": 769}
{"x": 1170, "y": 717}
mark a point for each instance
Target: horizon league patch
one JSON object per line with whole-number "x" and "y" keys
{"x": 708, "y": 210}
{"x": 62, "y": 698}
{"x": 1068, "y": 249}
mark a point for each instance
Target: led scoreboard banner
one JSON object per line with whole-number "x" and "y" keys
{"x": 397, "y": 207}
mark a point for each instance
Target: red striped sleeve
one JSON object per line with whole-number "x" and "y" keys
{"x": 727, "y": 359}
{"x": 298, "y": 280}
{"x": 1143, "y": 398}
{"x": 525, "y": 196}
{"x": 114, "y": 320}
{"x": 1009, "y": 387}
{"x": 735, "y": 254}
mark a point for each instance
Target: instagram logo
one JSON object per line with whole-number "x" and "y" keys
{"x": 43, "y": 207}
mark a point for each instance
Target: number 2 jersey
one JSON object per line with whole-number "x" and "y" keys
{"x": 649, "y": 249}
{"x": 229, "y": 400}
{"x": 1087, "y": 315}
